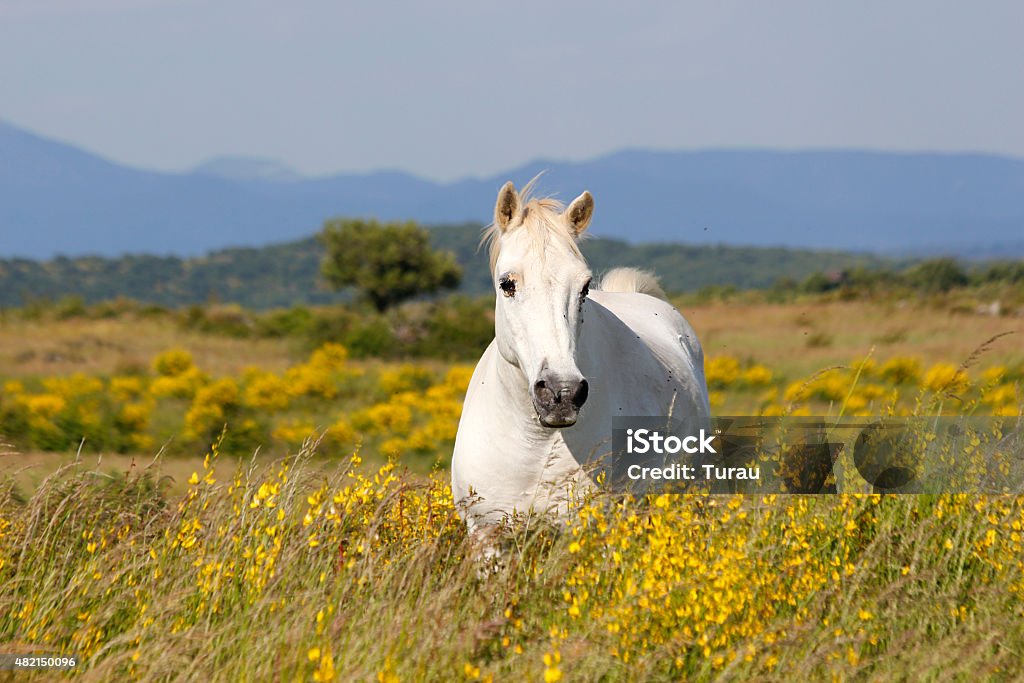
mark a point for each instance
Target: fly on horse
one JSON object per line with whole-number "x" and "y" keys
{"x": 566, "y": 359}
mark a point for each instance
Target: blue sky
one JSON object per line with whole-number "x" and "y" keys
{"x": 448, "y": 89}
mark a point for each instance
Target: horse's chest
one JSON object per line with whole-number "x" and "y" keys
{"x": 559, "y": 461}
{"x": 538, "y": 479}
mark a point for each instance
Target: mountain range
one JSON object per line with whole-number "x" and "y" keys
{"x": 57, "y": 199}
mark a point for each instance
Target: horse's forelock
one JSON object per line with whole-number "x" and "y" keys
{"x": 541, "y": 217}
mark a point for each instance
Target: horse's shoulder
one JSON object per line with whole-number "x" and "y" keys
{"x": 656, "y": 322}
{"x": 644, "y": 311}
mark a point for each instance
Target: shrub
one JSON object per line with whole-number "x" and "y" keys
{"x": 173, "y": 362}
{"x": 901, "y": 370}
{"x": 937, "y": 275}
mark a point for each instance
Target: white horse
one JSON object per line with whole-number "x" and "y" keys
{"x": 564, "y": 362}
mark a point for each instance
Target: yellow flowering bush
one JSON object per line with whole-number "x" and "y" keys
{"x": 830, "y": 386}
{"x": 210, "y": 407}
{"x": 721, "y": 371}
{"x": 74, "y": 386}
{"x": 406, "y": 377}
{"x": 13, "y": 387}
{"x": 328, "y": 396}
{"x": 294, "y": 431}
{"x": 182, "y": 385}
{"x": 944, "y": 377}
{"x": 341, "y": 435}
{"x": 173, "y": 362}
{"x": 757, "y": 375}
{"x": 134, "y": 417}
{"x": 265, "y": 391}
{"x": 322, "y": 375}
{"x": 994, "y": 374}
{"x": 383, "y": 418}
{"x": 901, "y": 370}
{"x": 46, "y": 406}
{"x": 127, "y": 388}
{"x": 330, "y": 357}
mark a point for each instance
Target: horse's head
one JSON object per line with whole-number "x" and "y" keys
{"x": 541, "y": 281}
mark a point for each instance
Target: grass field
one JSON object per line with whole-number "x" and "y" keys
{"x": 302, "y": 563}
{"x": 118, "y": 345}
{"x": 764, "y": 332}
{"x": 800, "y": 339}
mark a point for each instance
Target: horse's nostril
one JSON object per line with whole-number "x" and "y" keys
{"x": 561, "y": 394}
{"x": 543, "y": 393}
{"x": 580, "y": 397}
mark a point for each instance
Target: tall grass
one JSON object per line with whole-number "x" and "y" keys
{"x": 289, "y": 573}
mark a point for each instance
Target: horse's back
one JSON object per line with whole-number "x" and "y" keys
{"x": 647, "y": 349}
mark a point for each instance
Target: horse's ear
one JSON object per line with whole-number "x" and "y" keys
{"x": 507, "y": 207}
{"x": 580, "y": 212}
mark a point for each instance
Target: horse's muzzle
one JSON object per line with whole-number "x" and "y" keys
{"x": 558, "y": 402}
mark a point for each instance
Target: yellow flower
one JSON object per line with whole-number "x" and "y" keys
{"x": 387, "y": 674}
{"x": 552, "y": 673}
{"x": 325, "y": 672}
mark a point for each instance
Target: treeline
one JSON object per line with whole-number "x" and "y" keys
{"x": 289, "y": 274}
{"x": 458, "y": 326}
{"x": 934, "y": 276}
{"x": 269, "y": 277}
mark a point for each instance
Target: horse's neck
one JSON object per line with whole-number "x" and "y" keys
{"x": 516, "y": 407}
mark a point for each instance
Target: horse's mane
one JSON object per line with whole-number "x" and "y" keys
{"x": 539, "y": 216}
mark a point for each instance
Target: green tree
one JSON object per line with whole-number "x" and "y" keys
{"x": 387, "y": 262}
{"x": 937, "y": 275}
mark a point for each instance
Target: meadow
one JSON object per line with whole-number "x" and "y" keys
{"x": 179, "y": 503}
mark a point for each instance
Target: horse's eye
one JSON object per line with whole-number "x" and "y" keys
{"x": 508, "y": 286}
{"x": 585, "y": 291}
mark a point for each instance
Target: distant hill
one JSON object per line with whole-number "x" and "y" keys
{"x": 288, "y": 274}
{"x": 248, "y": 169}
{"x": 57, "y": 199}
